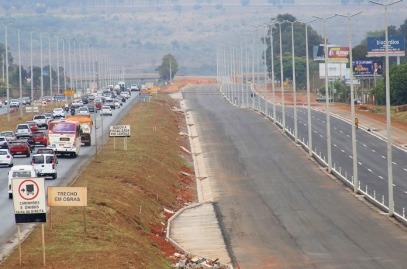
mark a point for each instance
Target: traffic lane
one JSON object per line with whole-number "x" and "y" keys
{"x": 65, "y": 173}
{"x": 278, "y": 208}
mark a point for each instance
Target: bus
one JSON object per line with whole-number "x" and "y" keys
{"x": 64, "y": 137}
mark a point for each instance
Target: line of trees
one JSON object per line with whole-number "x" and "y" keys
{"x": 14, "y": 78}
{"x": 398, "y": 74}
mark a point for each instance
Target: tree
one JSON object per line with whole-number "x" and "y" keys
{"x": 168, "y": 67}
{"x": 299, "y": 46}
{"x": 398, "y": 85}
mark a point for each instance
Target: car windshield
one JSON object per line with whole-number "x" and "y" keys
{"x": 22, "y": 126}
{"x": 39, "y": 117}
{"x": 45, "y": 151}
{"x": 63, "y": 128}
{"x": 3, "y": 152}
{"x": 18, "y": 144}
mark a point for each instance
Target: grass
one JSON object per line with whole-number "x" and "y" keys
{"x": 127, "y": 191}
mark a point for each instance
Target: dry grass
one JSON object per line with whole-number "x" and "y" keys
{"x": 127, "y": 191}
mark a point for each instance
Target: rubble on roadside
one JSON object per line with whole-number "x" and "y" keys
{"x": 196, "y": 262}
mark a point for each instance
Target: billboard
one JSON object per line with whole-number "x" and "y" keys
{"x": 336, "y": 54}
{"x": 376, "y": 46}
{"x": 367, "y": 68}
{"x": 335, "y": 70}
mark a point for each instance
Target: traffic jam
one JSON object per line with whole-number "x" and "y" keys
{"x": 54, "y": 134}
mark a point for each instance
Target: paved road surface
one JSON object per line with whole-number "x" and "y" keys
{"x": 278, "y": 208}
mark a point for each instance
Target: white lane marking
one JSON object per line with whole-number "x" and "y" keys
{"x": 384, "y": 157}
{"x": 341, "y": 131}
{"x": 364, "y": 145}
{"x": 320, "y": 135}
{"x": 334, "y": 145}
{"x": 351, "y": 157}
{"x": 373, "y": 150}
{"x": 348, "y": 135}
{"x": 394, "y": 163}
{"x": 359, "y": 163}
{"x": 380, "y": 177}
{"x": 405, "y": 169}
{"x": 342, "y": 150}
{"x": 370, "y": 170}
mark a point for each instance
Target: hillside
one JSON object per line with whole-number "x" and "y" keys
{"x": 137, "y": 36}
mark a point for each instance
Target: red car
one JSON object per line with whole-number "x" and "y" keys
{"x": 20, "y": 147}
{"x": 33, "y": 126}
{"x": 98, "y": 105}
{"x": 40, "y": 138}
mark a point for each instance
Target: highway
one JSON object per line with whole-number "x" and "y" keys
{"x": 371, "y": 153}
{"x": 278, "y": 208}
{"x": 68, "y": 169}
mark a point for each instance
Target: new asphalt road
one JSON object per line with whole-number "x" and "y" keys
{"x": 279, "y": 209}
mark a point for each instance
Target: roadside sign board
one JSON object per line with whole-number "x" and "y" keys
{"x": 69, "y": 92}
{"x": 29, "y": 200}
{"x": 376, "y": 46}
{"x": 67, "y": 196}
{"x": 119, "y": 130}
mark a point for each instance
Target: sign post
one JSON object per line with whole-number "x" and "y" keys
{"x": 68, "y": 196}
{"x": 29, "y": 205}
{"x": 120, "y": 131}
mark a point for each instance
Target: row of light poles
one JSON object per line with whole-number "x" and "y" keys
{"x": 77, "y": 54}
{"x": 228, "y": 75}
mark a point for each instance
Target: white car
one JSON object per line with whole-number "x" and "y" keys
{"x": 3, "y": 142}
{"x": 84, "y": 110}
{"x": 1, "y": 103}
{"x": 45, "y": 165}
{"x": 58, "y": 112}
{"x": 14, "y": 103}
{"x": 19, "y": 171}
{"x": 106, "y": 110}
{"x": 23, "y": 129}
{"x": 6, "y": 158}
{"x": 9, "y": 135}
{"x": 125, "y": 95}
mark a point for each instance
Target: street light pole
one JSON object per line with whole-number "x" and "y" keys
{"x": 19, "y": 70}
{"x": 308, "y": 91}
{"x": 294, "y": 83}
{"x": 328, "y": 116}
{"x": 388, "y": 115}
{"x": 50, "y": 64}
{"x": 32, "y": 71}
{"x": 282, "y": 78}
{"x": 7, "y": 82}
{"x": 42, "y": 71}
{"x": 352, "y": 104}
{"x": 58, "y": 87}
{"x": 272, "y": 73}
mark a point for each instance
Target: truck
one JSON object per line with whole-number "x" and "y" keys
{"x": 86, "y": 124}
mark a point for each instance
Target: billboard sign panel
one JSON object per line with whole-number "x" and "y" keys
{"x": 335, "y": 70}
{"x": 67, "y": 196}
{"x": 376, "y": 46}
{"x": 367, "y": 68}
{"x": 336, "y": 54}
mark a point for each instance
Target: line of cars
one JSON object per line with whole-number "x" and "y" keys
{"x": 22, "y": 141}
{"x": 17, "y": 102}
